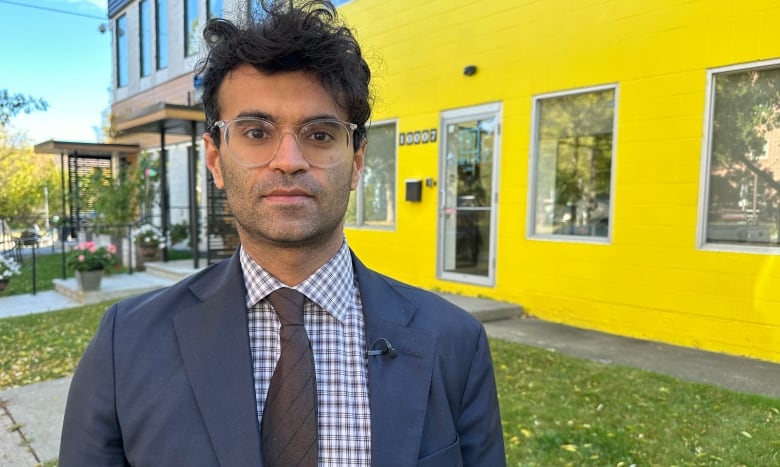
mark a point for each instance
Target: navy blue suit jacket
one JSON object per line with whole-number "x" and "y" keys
{"x": 167, "y": 380}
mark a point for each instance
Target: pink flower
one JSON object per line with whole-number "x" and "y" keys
{"x": 81, "y": 258}
{"x": 112, "y": 248}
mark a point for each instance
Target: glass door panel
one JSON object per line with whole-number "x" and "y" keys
{"x": 467, "y": 210}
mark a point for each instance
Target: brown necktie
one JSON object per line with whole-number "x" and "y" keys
{"x": 289, "y": 426}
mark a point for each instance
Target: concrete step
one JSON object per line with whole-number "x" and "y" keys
{"x": 174, "y": 270}
{"x": 157, "y": 275}
{"x": 111, "y": 287}
{"x": 161, "y": 274}
{"x": 485, "y": 310}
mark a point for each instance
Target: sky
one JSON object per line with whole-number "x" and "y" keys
{"x": 53, "y": 49}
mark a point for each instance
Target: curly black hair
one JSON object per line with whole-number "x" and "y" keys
{"x": 289, "y": 35}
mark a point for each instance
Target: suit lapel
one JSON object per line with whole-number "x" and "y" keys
{"x": 214, "y": 345}
{"x": 398, "y": 387}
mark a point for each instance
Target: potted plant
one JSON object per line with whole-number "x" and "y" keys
{"x": 8, "y": 269}
{"x": 179, "y": 233}
{"x": 149, "y": 240}
{"x": 89, "y": 261}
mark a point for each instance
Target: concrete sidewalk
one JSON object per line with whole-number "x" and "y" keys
{"x": 735, "y": 373}
{"x": 31, "y": 416}
{"x": 31, "y": 422}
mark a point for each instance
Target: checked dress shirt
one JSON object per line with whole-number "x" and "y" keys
{"x": 333, "y": 319}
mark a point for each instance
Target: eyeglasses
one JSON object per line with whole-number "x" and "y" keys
{"x": 254, "y": 142}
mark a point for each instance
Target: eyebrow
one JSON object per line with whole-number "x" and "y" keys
{"x": 263, "y": 115}
{"x": 271, "y": 118}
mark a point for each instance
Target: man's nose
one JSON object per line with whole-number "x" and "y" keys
{"x": 289, "y": 155}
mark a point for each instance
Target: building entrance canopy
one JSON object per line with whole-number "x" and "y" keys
{"x": 162, "y": 118}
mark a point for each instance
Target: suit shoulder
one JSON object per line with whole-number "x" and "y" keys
{"x": 167, "y": 300}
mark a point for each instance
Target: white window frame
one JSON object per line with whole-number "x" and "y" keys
{"x": 704, "y": 175}
{"x": 533, "y": 164}
{"x": 360, "y": 222}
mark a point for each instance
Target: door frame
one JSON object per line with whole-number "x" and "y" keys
{"x": 447, "y": 117}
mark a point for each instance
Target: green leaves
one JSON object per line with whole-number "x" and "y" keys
{"x": 23, "y": 176}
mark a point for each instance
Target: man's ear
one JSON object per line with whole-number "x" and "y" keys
{"x": 212, "y": 160}
{"x": 358, "y": 163}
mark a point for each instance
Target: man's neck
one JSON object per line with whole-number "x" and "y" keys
{"x": 292, "y": 265}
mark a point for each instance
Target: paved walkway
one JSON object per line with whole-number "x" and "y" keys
{"x": 31, "y": 416}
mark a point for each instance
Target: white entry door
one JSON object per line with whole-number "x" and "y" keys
{"x": 467, "y": 197}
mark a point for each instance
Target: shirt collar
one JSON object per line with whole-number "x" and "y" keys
{"x": 332, "y": 286}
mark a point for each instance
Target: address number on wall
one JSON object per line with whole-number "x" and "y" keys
{"x": 417, "y": 137}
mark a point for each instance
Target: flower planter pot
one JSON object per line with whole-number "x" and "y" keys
{"x": 89, "y": 281}
{"x": 145, "y": 253}
{"x": 149, "y": 252}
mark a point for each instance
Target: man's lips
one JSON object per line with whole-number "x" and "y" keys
{"x": 289, "y": 195}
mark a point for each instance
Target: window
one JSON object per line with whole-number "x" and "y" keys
{"x": 373, "y": 202}
{"x": 214, "y": 8}
{"x": 572, "y": 163}
{"x": 145, "y": 36}
{"x": 122, "y": 60}
{"x": 161, "y": 30}
{"x": 742, "y": 157}
{"x": 191, "y": 27}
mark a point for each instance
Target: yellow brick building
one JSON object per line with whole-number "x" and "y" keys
{"x": 605, "y": 164}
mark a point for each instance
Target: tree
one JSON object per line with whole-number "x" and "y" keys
{"x": 23, "y": 176}
{"x": 116, "y": 201}
{"x": 128, "y": 197}
{"x": 12, "y": 104}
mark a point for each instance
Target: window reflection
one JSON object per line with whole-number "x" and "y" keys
{"x": 744, "y": 159}
{"x": 573, "y": 163}
{"x": 373, "y": 202}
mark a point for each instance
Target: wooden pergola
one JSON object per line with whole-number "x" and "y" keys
{"x": 178, "y": 122}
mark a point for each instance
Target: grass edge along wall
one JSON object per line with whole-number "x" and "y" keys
{"x": 661, "y": 270}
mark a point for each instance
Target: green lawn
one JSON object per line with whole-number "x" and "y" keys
{"x": 557, "y": 410}
{"x": 560, "y": 410}
{"x": 45, "y": 346}
{"x": 48, "y": 266}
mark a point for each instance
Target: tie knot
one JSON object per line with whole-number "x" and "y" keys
{"x": 288, "y": 304}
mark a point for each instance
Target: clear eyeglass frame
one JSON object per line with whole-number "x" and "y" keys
{"x": 312, "y": 151}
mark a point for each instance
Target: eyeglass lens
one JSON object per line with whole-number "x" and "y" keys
{"x": 254, "y": 141}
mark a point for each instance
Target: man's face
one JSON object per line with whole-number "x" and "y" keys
{"x": 287, "y": 203}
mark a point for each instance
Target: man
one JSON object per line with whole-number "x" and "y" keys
{"x": 184, "y": 376}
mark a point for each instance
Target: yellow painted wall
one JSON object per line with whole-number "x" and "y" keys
{"x": 650, "y": 281}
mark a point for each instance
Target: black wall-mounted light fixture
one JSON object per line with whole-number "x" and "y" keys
{"x": 470, "y": 70}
